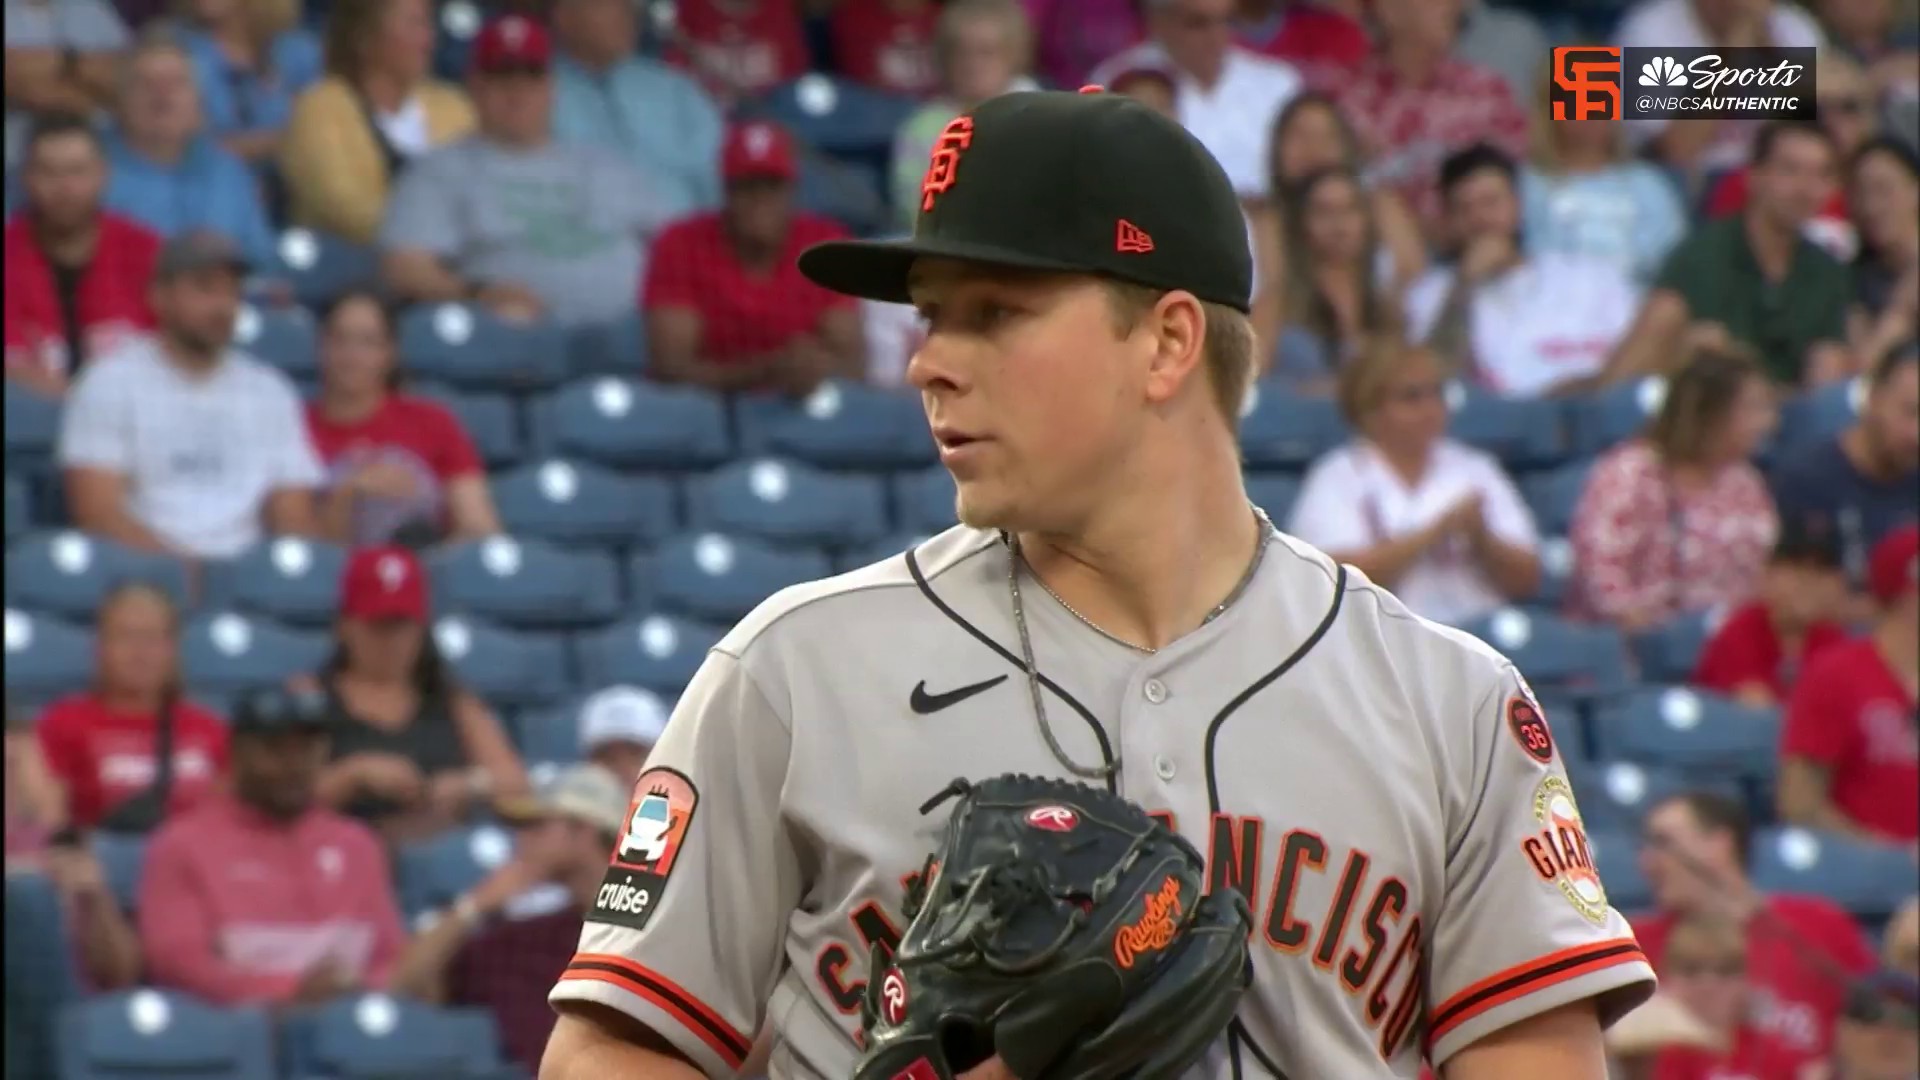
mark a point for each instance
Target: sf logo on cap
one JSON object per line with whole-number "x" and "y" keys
{"x": 945, "y": 163}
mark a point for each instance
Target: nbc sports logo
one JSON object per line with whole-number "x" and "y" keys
{"x": 1662, "y": 71}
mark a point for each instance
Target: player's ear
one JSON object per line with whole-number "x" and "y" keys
{"x": 1177, "y": 327}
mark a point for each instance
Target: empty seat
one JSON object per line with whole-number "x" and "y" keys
{"x": 1600, "y": 420}
{"x": 375, "y": 1037}
{"x": 657, "y": 652}
{"x": 1281, "y": 429}
{"x": 1274, "y": 493}
{"x": 284, "y": 337}
{"x": 46, "y": 658}
{"x": 1671, "y": 651}
{"x": 322, "y": 267}
{"x": 144, "y": 1033}
{"x": 1869, "y": 879}
{"x": 1616, "y": 857}
{"x": 33, "y": 423}
{"x": 1556, "y": 654}
{"x": 550, "y": 734}
{"x": 839, "y": 425}
{"x": 1522, "y": 432}
{"x": 1553, "y": 495}
{"x": 837, "y": 116}
{"x": 492, "y": 421}
{"x": 720, "y": 578}
{"x": 629, "y": 424}
{"x": 612, "y": 348}
{"x": 471, "y": 348}
{"x": 291, "y": 579}
{"x": 429, "y": 875}
{"x": 225, "y": 652}
{"x": 1556, "y": 572}
{"x": 789, "y": 503}
{"x": 123, "y": 858}
{"x": 506, "y": 667}
{"x": 1617, "y": 794}
{"x": 68, "y": 573}
{"x": 1694, "y": 730}
{"x": 527, "y": 582}
{"x": 1822, "y": 413}
{"x": 572, "y": 502}
{"x": 924, "y": 499}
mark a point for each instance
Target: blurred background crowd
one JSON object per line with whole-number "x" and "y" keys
{"x": 402, "y": 395}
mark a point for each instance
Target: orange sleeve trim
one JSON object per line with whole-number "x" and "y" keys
{"x": 1528, "y": 978}
{"x": 694, "y": 1014}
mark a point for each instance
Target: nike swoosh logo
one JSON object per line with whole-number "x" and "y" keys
{"x": 925, "y": 703}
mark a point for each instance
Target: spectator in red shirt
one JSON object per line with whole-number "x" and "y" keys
{"x": 261, "y": 895}
{"x": 1851, "y": 751}
{"x": 393, "y": 460}
{"x": 886, "y": 44}
{"x": 1799, "y": 949}
{"x": 727, "y": 309}
{"x": 1759, "y": 651}
{"x": 739, "y": 48}
{"x": 76, "y": 275}
{"x": 1707, "y": 972}
{"x": 100, "y": 742}
{"x": 1323, "y": 43}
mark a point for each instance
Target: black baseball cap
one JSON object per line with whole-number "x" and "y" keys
{"x": 270, "y": 709}
{"x": 1091, "y": 182}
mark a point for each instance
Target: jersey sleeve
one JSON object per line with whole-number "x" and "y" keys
{"x": 686, "y": 935}
{"x": 1524, "y": 926}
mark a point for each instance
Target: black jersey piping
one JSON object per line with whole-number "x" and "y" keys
{"x": 1106, "y": 748}
{"x": 1236, "y": 1031}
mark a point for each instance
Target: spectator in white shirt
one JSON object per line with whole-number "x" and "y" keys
{"x": 179, "y": 442}
{"x": 1518, "y": 324}
{"x": 1437, "y": 522}
{"x": 1226, "y": 95}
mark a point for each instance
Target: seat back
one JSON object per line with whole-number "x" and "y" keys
{"x": 658, "y": 652}
{"x": 786, "y": 502}
{"x": 1281, "y": 429}
{"x": 225, "y": 652}
{"x": 576, "y": 502}
{"x": 290, "y": 579}
{"x": 506, "y": 667}
{"x": 1871, "y": 880}
{"x": 719, "y": 578}
{"x": 377, "y": 1037}
{"x": 69, "y": 573}
{"x": 158, "y": 1033}
{"x": 841, "y": 425}
{"x": 45, "y": 657}
{"x": 628, "y": 424}
{"x": 527, "y": 582}
{"x": 1689, "y": 729}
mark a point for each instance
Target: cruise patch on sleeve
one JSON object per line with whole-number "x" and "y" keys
{"x": 643, "y": 859}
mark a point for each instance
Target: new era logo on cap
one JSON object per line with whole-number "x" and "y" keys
{"x": 1132, "y": 238}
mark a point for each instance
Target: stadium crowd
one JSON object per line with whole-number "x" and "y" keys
{"x": 401, "y": 396}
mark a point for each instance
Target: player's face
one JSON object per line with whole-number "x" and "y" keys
{"x": 1032, "y": 397}
{"x": 1893, "y": 418}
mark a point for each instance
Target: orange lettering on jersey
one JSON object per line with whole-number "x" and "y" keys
{"x": 1558, "y": 852}
{"x": 1301, "y": 850}
{"x": 1154, "y": 929}
{"x": 944, "y": 166}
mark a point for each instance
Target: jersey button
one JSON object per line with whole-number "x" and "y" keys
{"x": 1163, "y": 767}
{"x": 1155, "y": 690}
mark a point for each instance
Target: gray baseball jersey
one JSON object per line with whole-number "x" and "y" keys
{"x": 1384, "y": 790}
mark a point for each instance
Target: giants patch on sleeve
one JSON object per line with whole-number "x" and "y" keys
{"x": 643, "y": 858}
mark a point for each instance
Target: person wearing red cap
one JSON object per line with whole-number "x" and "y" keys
{"x": 412, "y": 751}
{"x": 727, "y": 308}
{"x": 1852, "y": 754}
{"x": 513, "y": 219}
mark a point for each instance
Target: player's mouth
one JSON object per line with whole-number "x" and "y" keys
{"x": 955, "y": 444}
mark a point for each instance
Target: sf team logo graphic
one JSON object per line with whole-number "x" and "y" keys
{"x": 944, "y": 166}
{"x": 657, "y": 821}
{"x": 1586, "y": 82}
{"x": 1559, "y": 852}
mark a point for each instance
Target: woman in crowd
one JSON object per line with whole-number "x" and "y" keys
{"x": 250, "y": 58}
{"x": 1330, "y": 297}
{"x": 1586, "y": 194}
{"x": 413, "y": 752}
{"x": 1678, "y": 520}
{"x": 981, "y": 49}
{"x": 1437, "y": 522}
{"x": 1883, "y": 187}
{"x": 102, "y": 742}
{"x": 354, "y": 131}
{"x": 396, "y": 461}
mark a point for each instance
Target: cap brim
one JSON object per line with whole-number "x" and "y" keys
{"x": 877, "y": 269}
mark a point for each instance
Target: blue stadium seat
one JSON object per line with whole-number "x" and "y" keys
{"x": 1616, "y": 856}
{"x": 377, "y": 1037}
{"x": 1570, "y": 728}
{"x": 1281, "y": 429}
{"x": 629, "y": 424}
{"x": 1557, "y": 655}
{"x": 789, "y": 503}
{"x": 1671, "y": 651}
{"x": 1553, "y": 495}
{"x": 224, "y": 652}
{"x": 1522, "y": 432}
{"x": 656, "y": 652}
{"x": 1822, "y": 413}
{"x": 146, "y": 1033}
{"x": 291, "y": 579}
{"x": 431, "y": 874}
{"x": 548, "y": 734}
{"x": 852, "y": 193}
{"x": 322, "y": 266}
{"x": 719, "y": 578}
{"x": 46, "y": 658}
{"x": 1556, "y": 572}
{"x": 471, "y": 348}
{"x": 32, "y": 424}
{"x": 573, "y": 502}
{"x": 123, "y": 858}
{"x": 924, "y": 498}
{"x": 41, "y": 977}
{"x": 492, "y": 421}
{"x": 1603, "y": 419}
{"x": 1869, "y": 879}
{"x": 459, "y": 23}
{"x": 68, "y": 573}
{"x": 839, "y": 425}
{"x": 1615, "y": 795}
{"x": 1695, "y": 730}
{"x": 526, "y": 582}
{"x": 879, "y": 551}
{"x": 285, "y": 337}
{"x": 837, "y": 116}
{"x": 1275, "y": 493}
{"x": 504, "y": 667}
{"x": 19, "y": 508}
{"x": 615, "y": 348}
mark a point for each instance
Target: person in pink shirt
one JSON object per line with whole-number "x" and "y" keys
{"x": 260, "y": 896}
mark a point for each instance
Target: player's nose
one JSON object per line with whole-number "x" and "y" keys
{"x": 938, "y": 366}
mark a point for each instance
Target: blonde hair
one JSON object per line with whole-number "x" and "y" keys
{"x": 1228, "y": 351}
{"x": 1364, "y": 377}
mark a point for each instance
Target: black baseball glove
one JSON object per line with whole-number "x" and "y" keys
{"x": 1063, "y": 929}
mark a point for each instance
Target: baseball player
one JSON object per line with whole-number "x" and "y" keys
{"x": 1385, "y": 791}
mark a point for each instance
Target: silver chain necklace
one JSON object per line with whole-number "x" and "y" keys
{"x": 1016, "y": 560}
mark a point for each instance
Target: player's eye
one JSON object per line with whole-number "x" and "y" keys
{"x": 991, "y": 316}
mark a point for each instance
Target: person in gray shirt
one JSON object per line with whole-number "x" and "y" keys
{"x": 526, "y": 226}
